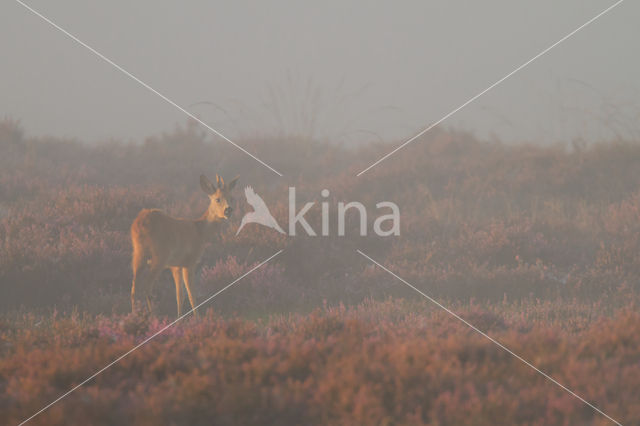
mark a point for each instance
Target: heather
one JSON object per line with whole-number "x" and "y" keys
{"x": 537, "y": 246}
{"x": 390, "y": 362}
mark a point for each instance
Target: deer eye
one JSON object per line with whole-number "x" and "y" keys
{"x": 218, "y": 200}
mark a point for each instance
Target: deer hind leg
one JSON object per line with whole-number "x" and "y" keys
{"x": 138, "y": 264}
{"x": 186, "y": 276}
{"x": 151, "y": 277}
{"x": 177, "y": 278}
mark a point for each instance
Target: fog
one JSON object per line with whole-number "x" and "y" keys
{"x": 342, "y": 72}
{"x": 486, "y": 274}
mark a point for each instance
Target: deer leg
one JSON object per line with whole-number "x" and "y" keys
{"x": 186, "y": 276}
{"x": 138, "y": 287}
{"x": 133, "y": 294}
{"x": 140, "y": 276}
{"x": 152, "y": 276}
{"x": 177, "y": 279}
{"x": 138, "y": 266}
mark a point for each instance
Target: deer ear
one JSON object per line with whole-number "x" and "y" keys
{"x": 232, "y": 183}
{"x": 206, "y": 185}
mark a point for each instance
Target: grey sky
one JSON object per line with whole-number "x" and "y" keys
{"x": 374, "y": 71}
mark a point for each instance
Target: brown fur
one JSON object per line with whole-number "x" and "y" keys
{"x": 163, "y": 242}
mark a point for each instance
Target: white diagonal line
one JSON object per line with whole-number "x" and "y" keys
{"x": 474, "y": 328}
{"x": 146, "y": 340}
{"x": 492, "y": 86}
{"x": 142, "y": 83}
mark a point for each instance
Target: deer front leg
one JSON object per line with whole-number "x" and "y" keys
{"x": 177, "y": 278}
{"x": 186, "y": 276}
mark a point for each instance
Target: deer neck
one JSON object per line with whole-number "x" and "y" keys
{"x": 208, "y": 224}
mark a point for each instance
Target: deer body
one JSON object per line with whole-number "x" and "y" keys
{"x": 163, "y": 242}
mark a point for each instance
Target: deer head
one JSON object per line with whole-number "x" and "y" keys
{"x": 219, "y": 197}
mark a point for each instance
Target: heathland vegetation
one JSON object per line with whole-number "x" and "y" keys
{"x": 538, "y": 246}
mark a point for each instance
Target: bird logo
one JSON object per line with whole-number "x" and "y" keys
{"x": 260, "y": 213}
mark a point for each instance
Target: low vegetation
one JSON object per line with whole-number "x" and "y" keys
{"x": 538, "y": 246}
{"x": 390, "y": 362}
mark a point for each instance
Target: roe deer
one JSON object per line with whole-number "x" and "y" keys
{"x": 163, "y": 242}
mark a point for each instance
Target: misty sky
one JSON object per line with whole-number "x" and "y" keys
{"x": 340, "y": 71}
